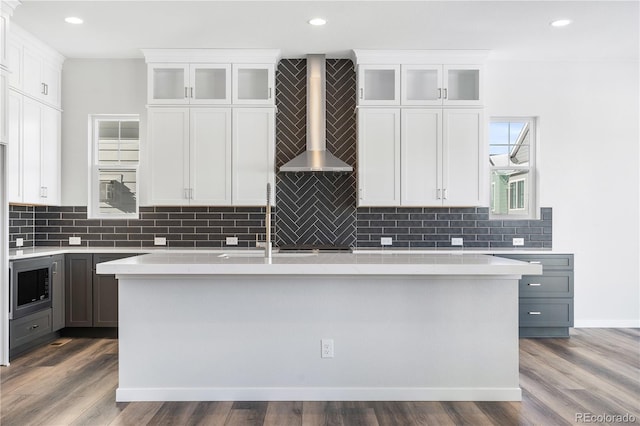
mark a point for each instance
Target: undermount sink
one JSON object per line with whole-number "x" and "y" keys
{"x": 262, "y": 254}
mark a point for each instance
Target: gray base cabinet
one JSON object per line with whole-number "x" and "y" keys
{"x": 58, "y": 300}
{"x": 546, "y": 301}
{"x": 25, "y": 330}
{"x": 91, "y": 299}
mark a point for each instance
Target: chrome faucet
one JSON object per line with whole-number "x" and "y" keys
{"x": 267, "y": 224}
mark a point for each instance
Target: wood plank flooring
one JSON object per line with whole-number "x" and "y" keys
{"x": 596, "y": 371}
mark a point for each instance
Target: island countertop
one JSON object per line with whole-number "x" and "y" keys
{"x": 254, "y": 263}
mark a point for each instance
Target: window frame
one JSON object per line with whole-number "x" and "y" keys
{"x": 530, "y": 209}
{"x": 95, "y": 167}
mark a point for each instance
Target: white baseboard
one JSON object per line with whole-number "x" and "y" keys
{"x": 607, "y": 324}
{"x": 318, "y": 394}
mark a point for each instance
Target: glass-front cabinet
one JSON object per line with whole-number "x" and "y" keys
{"x": 253, "y": 84}
{"x": 441, "y": 85}
{"x": 379, "y": 85}
{"x": 189, "y": 84}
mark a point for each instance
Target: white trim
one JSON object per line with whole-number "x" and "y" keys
{"x": 212, "y": 56}
{"x": 407, "y": 57}
{"x": 605, "y": 323}
{"x": 318, "y": 394}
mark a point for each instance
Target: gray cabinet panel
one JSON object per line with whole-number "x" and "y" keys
{"x": 79, "y": 290}
{"x": 546, "y": 312}
{"x": 546, "y": 301}
{"x": 57, "y": 301}
{"x": 30, "y": 327}
{"x": 551, "y": 284}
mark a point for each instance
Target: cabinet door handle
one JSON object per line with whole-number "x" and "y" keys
{"x": 54, "y": 267}
{"x": 439, "y": 194}
{"x": 186, "y": 193}
{"x": 361, "y": 93}
{"x": 445, "y": 193}
{"x": 439, "y": 93}
{"x": 191, "y": 193}
{"x": 535, "y": 262}
{"x": 42, "y": 90}
{"x": 270, "y": 94}
{"x": 46, "y": 89}
{"x": 534, "y": 284}
{"x": 360, "y": 193}
{"x": 192, "y": 92}
{"x": 535, "y": 313}
{"x": 186, "y": 92}
{"x": 34, "y": 326}
{"x": 445, "y": 93}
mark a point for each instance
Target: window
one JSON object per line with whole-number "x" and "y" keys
{"x": 512, "y": 163}
{"x": 115, "y": 153}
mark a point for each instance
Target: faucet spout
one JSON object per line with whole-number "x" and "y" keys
{"x": 267, "y": 224}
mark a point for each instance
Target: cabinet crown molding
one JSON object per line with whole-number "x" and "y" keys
{"x": 28, "y": 39}
{"x": 8, "y": 6}
{"x": 212, "y": 56}
{"x": 418, "y": 57}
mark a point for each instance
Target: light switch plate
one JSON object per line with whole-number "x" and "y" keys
{"x": 386, "y": 241}
{"x": 518, "y": 241}
{"x": 232, "y": 241}
{"x": 457, "y": 241}
{"x": 75, "y": 241}
{"x": 160, "y": 241}
{"x": 19, "y": 242}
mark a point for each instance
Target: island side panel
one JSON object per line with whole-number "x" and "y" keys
{"x": 258, "y": 338}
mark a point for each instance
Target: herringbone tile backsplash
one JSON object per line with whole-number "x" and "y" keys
{"x": 316, "y": 208}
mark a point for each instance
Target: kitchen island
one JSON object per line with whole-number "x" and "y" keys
{"x": 237, "y": 326}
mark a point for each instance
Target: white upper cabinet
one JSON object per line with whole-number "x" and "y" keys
{"x": 419, "y": 77}
{"x": 254, "y": 84}
{"x": 36, "y": 69}
{"x": 211, "y": 76}
{"x": 378, "y": 157}
{"x": 34, "y": 152}
{"x": 434, "y": 85}
{"x": 379, "y": 85}
{"x": 176, "y": 84}
{"x": 253, "y": 164}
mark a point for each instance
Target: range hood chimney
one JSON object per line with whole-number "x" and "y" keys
{"x": 316, "y": 158}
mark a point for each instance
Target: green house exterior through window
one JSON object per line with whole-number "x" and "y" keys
{"x": 512, "y": 167}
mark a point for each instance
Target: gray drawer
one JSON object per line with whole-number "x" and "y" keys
{"x": 548, "y": 261}
{"x": 23, "y": 330}
{"x": 546, "y": 312}
{"x": 551, "y": 284}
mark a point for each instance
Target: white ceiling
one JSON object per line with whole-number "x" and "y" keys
{"x": 513, "y": 30}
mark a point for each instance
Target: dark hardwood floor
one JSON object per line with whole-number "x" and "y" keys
{"x": 72, "y": 382}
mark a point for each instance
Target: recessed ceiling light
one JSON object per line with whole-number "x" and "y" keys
{"x": 317, "y": 21}
{"x": 73, "y": 20}
{"x": 560, "y": 22}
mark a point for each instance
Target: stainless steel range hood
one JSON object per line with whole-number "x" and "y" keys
{"x": 316, "y": 158}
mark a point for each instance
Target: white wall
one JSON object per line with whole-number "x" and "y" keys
{"x": 588, "y": 171}
{"x": 95, "y": 86}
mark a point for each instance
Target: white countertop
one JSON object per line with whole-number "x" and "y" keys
{"x": 30, "y": 252}
{"x": 254, "y": 263}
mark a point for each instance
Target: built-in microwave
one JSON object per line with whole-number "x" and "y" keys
{"x": 30, "y": 286}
